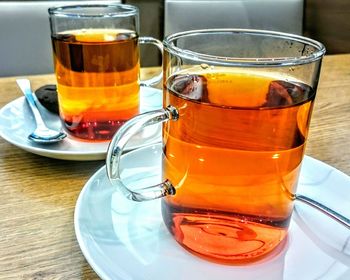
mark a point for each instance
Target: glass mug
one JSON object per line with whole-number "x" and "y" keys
{"x": 236, "y": 112}
{"x": 97, "y": 66}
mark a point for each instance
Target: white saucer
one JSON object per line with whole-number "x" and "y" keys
{"x": 17, "y": 122}
{"x": 122, "y": 239}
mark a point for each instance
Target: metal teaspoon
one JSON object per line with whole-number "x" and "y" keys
{"x": 42, "y": 134}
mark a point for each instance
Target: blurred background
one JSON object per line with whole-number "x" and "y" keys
{"x": 25, "y": 35}
{"x": 324, "y": 20}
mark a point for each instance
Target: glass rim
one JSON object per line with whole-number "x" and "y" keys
{"x": 73, "y": 10}
{"x": 319, "y": 52}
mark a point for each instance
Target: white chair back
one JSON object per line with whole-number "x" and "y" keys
{"x": 278, "y": 15}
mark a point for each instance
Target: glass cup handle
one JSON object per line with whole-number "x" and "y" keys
{"x": 159, "y": 45}
{"x": 116, "y": 147}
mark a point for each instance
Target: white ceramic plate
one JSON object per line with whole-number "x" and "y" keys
{"x": 122, "y": 239}
{"x": 17, "y": 122}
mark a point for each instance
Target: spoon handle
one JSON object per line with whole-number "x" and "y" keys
{"x": 24, "y": 85}
{"x": 324, "y": 209}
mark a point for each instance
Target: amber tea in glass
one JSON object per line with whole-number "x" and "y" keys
{"x": 97, "y": 66}
{"x": 234, "y": 156}
{"x": 97, "y": 80}
{"x": 237, "y": 106}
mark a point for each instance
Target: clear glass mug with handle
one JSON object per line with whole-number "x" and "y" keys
{"x": 97, "y": 66}
{"x": 236, "y": 112}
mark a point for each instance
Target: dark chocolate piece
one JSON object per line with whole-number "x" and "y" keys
{"x": 47, "y": 96}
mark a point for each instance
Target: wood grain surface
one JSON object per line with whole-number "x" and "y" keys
{"x": 38, "y": 194}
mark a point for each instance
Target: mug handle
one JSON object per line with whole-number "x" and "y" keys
{"x": 159, "y": 45}
{"x": 116, "y": 147}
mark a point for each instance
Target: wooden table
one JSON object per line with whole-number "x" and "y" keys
{"x": 38, "y": 194}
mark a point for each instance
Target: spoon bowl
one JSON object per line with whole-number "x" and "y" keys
{"x": 46, "y": 136}
{"x": 42, "y": 134}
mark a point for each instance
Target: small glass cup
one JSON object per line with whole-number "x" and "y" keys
{"x": 97, "y": 65}
{"x": 236, "y": 111}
